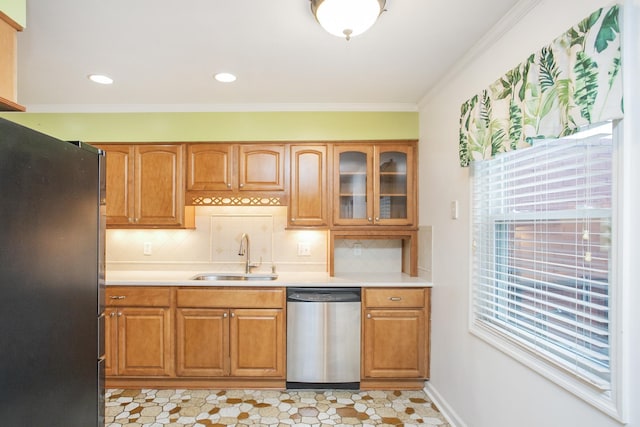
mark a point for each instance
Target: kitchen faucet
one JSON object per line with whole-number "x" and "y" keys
{"x": 244, "y": 250}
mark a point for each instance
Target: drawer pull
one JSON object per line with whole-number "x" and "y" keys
{"x": 395, "y": 298}
{"x": 118, "y": 297}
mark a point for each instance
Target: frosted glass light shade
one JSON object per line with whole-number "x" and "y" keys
{"x": 347, "y": 18}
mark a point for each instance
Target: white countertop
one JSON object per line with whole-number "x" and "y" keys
{"x": 183, "y": 278}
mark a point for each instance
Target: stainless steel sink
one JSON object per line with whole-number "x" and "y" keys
{"x": 233, "y": 276}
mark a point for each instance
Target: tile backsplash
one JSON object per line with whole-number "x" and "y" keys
{"x": 214, "y": 245}
{"x": 215, "y": 242}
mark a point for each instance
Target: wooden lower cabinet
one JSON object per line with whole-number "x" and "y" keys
{"x": 221, "y": 337}
{"x": 202, "y": 342}
{"x": 144, "y": 341}
{"x": 244, "y": 338}
{"x": 257, "y": 343}
{"x": 138, "y": 332}
{"x": 226, "y": 337}
{"x": 395, "y": 344}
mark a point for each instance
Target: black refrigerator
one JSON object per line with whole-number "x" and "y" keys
{"x": 51, "y": 280}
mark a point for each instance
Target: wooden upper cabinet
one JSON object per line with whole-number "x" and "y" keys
{"x": 210, "y": 167}
{"x": 261, "y": 167}
{"x": 235, "y": 168}
{"x": 394, "y": 195}
{"x": 145, "y": 186}
{"x": 374, "y": 185}
{"x": 353, "y": 185}
{"x": 119, "y": 197}
{"x": 159, "y": 184}
{"x": 8, "y": 64}
{"x": 308, "y": 189}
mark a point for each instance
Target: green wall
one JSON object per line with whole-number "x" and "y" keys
{"x": 16, "y": 10}
{"x": 249, "y": 126}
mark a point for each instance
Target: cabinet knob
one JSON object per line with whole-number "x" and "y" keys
{"x": 233, "y": 314}
{"x": 370, "y": 219}
{"x": 112, "y": 314}
{"x": 229, "y": 185}
{"x": 224, "y": 315}
{"x": 368, "y": 315}
{"x": 293, "y": 220}
{"x": 377, "y": 219}
{"x": 119, "y": 313}
{"x": 241, "y": 185}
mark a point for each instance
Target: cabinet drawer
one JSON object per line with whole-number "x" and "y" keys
{"x": 394, "y": 297}
{"x": 142, "y": 296}
{"x": 231, "y": 298}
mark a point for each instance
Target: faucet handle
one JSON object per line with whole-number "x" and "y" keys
{"x": 254, "y": 264}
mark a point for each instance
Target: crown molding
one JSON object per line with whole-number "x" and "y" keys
{"x": 217, "y": 108}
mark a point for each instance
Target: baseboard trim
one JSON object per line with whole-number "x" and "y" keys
{"x": 443, "y": 406}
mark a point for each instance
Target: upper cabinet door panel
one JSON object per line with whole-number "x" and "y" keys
{"x": 394, "y": 204}
{"x": 353, "y": 185}
{"x": 209, "y": 167}
{"x": 309, "y": 198}
{"x": 159, "y": 183}
{"x": 262, "y": 167}
{"x": 119, "y": 182}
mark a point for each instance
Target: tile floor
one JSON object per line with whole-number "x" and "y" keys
{"x": 205, "y": 408}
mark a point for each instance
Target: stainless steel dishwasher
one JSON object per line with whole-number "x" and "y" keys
{"x": 323, "y": 338}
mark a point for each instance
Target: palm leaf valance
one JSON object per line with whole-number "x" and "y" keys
{"x": 573, "y": 82}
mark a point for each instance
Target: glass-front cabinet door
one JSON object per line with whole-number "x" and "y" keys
{"x": 353, "y": 186}
{"x": 394, "y": 185}
{"x": 373, "y": 185}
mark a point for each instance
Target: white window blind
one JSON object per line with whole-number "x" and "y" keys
{"x": 542, "y": 239}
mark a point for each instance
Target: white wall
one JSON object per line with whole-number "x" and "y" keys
{"x": 476, "y": 384}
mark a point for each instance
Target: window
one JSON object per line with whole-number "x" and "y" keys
{"x": 542, "y": 273}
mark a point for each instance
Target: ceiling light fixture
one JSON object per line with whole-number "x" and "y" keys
{"x": 347, "y": 18}
{"x": 100, "y": 78}
{"x": 225, "y": 77}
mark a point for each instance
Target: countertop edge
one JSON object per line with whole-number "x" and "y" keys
{"x": 285, "y": 280}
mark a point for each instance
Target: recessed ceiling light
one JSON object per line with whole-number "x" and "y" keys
{"x": 225, "y": 77}
{"x": 100, "y": 78}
